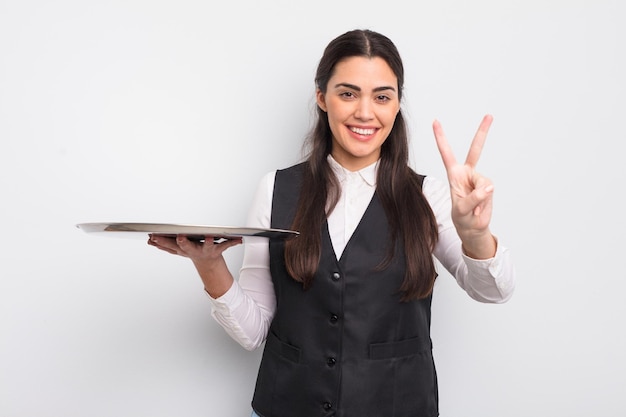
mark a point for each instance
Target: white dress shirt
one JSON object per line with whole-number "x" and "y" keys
{"x": 246, "y": 309}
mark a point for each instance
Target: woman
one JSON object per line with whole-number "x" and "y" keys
{"x": 344, "y": 309}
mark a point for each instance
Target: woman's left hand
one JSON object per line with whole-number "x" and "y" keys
{"x": 471, "y": 193}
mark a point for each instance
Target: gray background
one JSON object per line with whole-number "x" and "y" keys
{"x": 168, "y": 111}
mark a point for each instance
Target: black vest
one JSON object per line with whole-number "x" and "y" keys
{"x": 347, "y": 346}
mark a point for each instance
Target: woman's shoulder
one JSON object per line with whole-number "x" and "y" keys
{"x": 268, "y": 180}
{"x": 433, "y": 182}
{"x": 296, "y": 168}
{"x": 436, "y": 191}
{"x": 428, "y": 181}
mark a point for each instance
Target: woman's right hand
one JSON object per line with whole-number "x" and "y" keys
{"x": 206, "y": 256}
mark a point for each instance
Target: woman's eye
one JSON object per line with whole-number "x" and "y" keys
{"x": 347, "y": 94}
{"x": 382, "y": 98}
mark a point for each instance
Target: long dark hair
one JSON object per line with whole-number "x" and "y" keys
{"x": 410, "y": 217}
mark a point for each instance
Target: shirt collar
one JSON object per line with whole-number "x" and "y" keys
{"x": 367, "y": 174}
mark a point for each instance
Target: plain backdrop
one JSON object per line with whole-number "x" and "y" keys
{"x": 171, "y": 111}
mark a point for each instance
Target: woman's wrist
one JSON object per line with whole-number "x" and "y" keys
{"x": 215, "y": 276}
{"x": 481, "y": 246}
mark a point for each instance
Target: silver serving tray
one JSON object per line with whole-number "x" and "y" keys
{"x": 193, "y": 232}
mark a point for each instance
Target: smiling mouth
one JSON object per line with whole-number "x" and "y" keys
{"x": 364, "y": 132}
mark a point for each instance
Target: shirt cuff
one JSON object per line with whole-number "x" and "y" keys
{"x": 484, "y": 267}
{"x": 497, "y": 269}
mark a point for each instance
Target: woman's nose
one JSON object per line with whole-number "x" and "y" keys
{"x": 364, "y": 110}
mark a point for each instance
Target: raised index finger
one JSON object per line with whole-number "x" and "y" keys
{"x": 444, "y": 148}
{"x": 478, "y": 142}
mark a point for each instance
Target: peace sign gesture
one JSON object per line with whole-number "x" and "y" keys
{"x": 470, "y": 192}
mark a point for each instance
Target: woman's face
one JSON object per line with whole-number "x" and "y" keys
{"x": 362, "y": 102}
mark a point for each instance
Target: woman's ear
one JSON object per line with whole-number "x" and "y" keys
{"x": 321, "y": 100}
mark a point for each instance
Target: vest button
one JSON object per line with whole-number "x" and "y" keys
{"x": 336, "y": 276}
{"x": 331, "y": 361}
{"x": 334, "y": 318}
{"x": 328, "y": 406}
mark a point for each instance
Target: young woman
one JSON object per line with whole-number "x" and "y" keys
{"x": 344, "y": 309}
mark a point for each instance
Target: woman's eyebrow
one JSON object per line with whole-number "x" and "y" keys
{"x": 357, "y": 88}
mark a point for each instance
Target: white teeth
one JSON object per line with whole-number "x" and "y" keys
{"x": 362, "y": 131}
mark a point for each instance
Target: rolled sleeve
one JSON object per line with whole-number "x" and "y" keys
{"x": 490, "y": 280}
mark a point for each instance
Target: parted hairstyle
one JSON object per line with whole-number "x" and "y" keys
{"x": 411, "y": 220}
